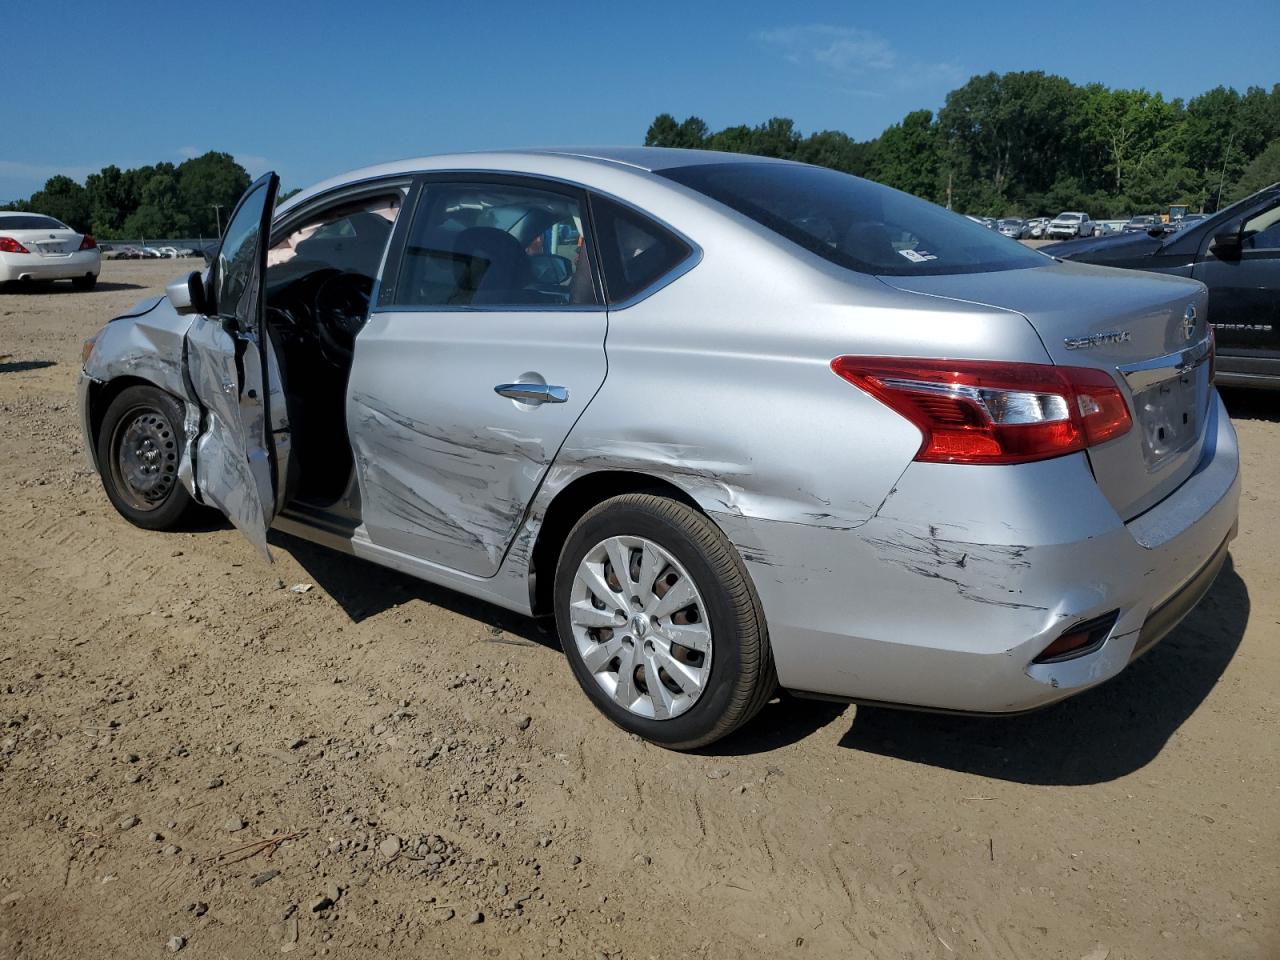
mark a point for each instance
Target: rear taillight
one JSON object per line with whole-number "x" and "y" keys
{"x": 88, "y": 243}
{"x": 10, "y": 245}
{"x": 989, "y": 411}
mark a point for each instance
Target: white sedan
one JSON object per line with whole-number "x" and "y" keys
{"x": 36, "y": 247}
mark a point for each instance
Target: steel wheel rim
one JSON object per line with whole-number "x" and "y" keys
{"x": 640, "y": 627}
{"x": 144, "y": 462}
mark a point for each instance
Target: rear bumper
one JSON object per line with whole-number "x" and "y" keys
{"x": 20, "y": 266}
{"x": 944, "y": 599}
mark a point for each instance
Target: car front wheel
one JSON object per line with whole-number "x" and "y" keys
{"x": 660, "y": 622}
{"x": 139, "y": 446}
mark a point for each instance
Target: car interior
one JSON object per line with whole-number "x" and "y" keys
{"x": 319, "y": 279}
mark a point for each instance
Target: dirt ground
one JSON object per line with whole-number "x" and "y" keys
{"x": 445, "y": 789}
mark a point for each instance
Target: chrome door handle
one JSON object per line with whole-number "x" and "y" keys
{"x": 533, "y": 392}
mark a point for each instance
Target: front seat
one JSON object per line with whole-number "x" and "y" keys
{"x": 495, "y": 268}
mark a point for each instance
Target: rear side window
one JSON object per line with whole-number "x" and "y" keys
{"x": 24, "y": 221}
{"x": 496, "y": 245}
{"x": 634, "y": 250}
{"x": 855, "y": 223}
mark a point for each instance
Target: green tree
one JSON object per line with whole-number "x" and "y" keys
{"x": 161, "y": 211}
{"x": 907, "y": 156}
{"x": 665, "y": 132}
{"x": 1262, "y": 171}
{"x": 63, "y": 199}
{"x": 662, "y": 132}
{"x": 206, "y": 181}
{"x": 776, "y": 137}
{"x": 1132, "y": 129}
{"x": 109, "y": 201}
{"x": 839, "y": 151}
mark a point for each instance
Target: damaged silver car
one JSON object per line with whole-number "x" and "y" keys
{"x": 735, "y": 423}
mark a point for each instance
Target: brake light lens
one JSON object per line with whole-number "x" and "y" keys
{"x": 10, "y": 245}
{"x": 88, "y": 243}
{"x": 989, "y": 411}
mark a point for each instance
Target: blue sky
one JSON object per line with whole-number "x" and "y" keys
{"x": 311, "y": 89}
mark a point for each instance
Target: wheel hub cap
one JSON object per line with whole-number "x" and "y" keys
{"x": 146, "y": 461}
{"x": 640, "y": 627}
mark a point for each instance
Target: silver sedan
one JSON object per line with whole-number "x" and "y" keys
{"x": 735, "y": 423}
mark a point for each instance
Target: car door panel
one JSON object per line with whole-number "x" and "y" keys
{"x": 1243, "y": 304}
{"x": 446, "y": 466}
{"x": 234, "y": 464}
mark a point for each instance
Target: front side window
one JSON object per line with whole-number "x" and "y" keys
{"x": 496, "y": 245}
{"x": 237, "y": 257}
{"x": 855, "y": 223}
{"x": 348, "y": 238}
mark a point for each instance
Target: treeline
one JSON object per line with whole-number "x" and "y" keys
{"x": 1032, "y": 143}
{"x": 160, "y": 200}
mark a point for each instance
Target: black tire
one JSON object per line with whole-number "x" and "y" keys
{"x": 742, "y": 677}
{"x": 87, "y": 282}
{"x": 145, "y": 415}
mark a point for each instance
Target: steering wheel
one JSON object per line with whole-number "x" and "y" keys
{"x": 341, "y": 307}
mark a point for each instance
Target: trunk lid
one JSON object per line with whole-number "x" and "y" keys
{"x": 1147, "y": 331}
{"x": 47, "y": 243}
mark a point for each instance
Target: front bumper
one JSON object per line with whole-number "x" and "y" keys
{"x": 946, "y": 596}
{"x": 20, "y": 266}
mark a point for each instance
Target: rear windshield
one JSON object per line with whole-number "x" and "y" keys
{"x": 856, "y": 223}
{"x": 29, "y": 221}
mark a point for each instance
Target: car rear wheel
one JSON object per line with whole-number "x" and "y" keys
{"x": 140, "y": 445}
{"x": 86, "y": 282}
{"x": 660, "y": 622}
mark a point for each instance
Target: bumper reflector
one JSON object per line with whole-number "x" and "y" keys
{"x": 1079, "y": 640}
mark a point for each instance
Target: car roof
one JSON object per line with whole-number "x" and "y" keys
{"x": 643, "y": 160}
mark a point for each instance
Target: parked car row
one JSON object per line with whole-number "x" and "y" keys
{"x": 149, "y": 253}
{"x": 1036, "y": 480}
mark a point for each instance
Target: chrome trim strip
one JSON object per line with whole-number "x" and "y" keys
{"x": 1146, "y": 373}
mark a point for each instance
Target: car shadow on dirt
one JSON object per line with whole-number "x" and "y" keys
{"x": 1108, "y": 732}
{"x": 51, "y": 286}
{"x": 364, "y": 589}
{"x": 18, "y": 366}
{"x": 1252, "y": 404}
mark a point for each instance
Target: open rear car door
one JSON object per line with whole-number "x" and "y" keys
{"x": 231, "y": 373}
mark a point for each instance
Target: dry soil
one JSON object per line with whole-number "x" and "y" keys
{"x": 437, "y": 785}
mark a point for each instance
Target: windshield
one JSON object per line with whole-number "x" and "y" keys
{"x": 856, "y": 223}
{"x": 27, "y": 221}
{"x": 1069, "y": 217}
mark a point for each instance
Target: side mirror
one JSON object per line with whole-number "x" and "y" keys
{"x": 186, "y": 294}
{"x": 1227, "y": 244}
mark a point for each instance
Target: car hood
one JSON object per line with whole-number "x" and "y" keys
{"x": 1112, "y": 246}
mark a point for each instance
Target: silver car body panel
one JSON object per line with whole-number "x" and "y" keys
{"x": 880, "y": 577}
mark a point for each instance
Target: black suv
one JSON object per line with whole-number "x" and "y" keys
{"x": 1236, "y": 254}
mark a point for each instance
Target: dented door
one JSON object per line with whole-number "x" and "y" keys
{"x": 471, "y": 371}
{"x": 233, "y": 457}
